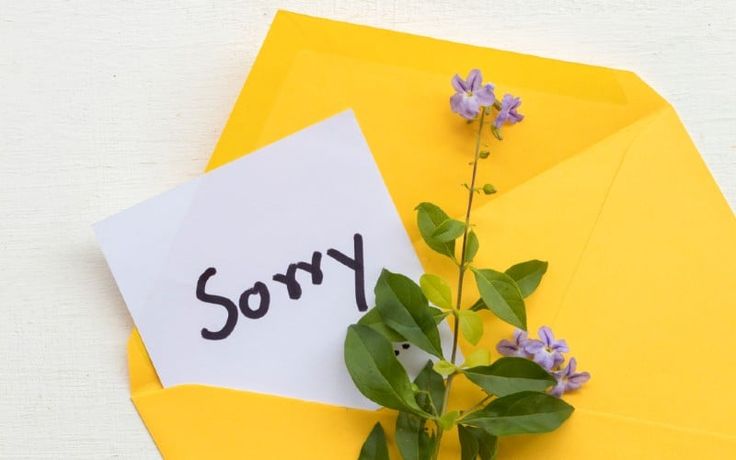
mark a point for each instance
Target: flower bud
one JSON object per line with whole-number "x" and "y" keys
{"x": 489, "y": 189}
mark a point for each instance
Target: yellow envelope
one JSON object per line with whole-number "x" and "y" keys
{"x": 600, "y": 179}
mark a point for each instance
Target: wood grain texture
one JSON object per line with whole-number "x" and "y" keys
{"x": 104, "y": 104}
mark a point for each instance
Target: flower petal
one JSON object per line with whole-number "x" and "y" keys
{"x": 533, "y": 346}
{"x": 507, "y": 348}
{"x": 475, "y": 79}
{"x": 470, "y": 107}
{"x": 500, "y": 119}
{"x": 544, "y": 359}
{"x": 560, "y": 346}
{"x": 521, "y": 337}
{"x": 575, "y": 381}
{"x": 456, "y": 101}
{"x": 545, "y": 334}
{"x": 459, "y": 84}
{"x": 485, "y": 95}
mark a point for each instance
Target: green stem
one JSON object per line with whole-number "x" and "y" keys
{"x": 478, "y": 405}
{"x": 461, "y": 276}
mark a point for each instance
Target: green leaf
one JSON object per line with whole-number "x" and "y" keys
{"x": 404, "y": 309}
{"x": 471, "y": 247}
{"x": 479, "y": 305}
{"x": 412, "y": 439}
{"x": 372, "y": 319}
{"x": 528, "y": 275}
{"x": 448, "y": 230}
{"x": 429, "y": 217}
{"x": 468, "y": 443}
{"x": 436, "y": 290}
{"x": 471, "y": 325}
{"x": 510, "y": 375}
{"x": 431, "y": 389}
{"x": 475, "y": 442}
{"x": 376, "y": 372}
{"x": 375, "y": 447}
{"x": 438, "y": 314}
{"x": 445, "y": 368}
{"x": 488, "y": 445}
{"x": 447, "y": 421}
{"x": 502, "y": 296}
{"x": 480, "y": 357}
{"x": 520, "y": 413}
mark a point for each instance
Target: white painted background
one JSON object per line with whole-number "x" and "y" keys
{"x": 104, "y": 104}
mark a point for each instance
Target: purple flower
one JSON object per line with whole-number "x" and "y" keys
{"x": 568, "y": 379}
{"x": 470, "y": 95}
{"x": 515, "y": 348}
{"x": 507, "y": 112}
{"x": 547, "y": 352}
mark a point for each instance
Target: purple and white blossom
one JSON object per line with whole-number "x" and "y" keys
{"x": 568, "y": 379}
{"x": 471, "y": 95}
{"x": 508, "y": 113}
{"x": 547, "y": 351}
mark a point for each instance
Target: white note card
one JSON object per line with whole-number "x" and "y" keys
{"x": 248, "y": 276}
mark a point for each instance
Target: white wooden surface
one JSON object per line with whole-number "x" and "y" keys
{"x": 103, "y": 104}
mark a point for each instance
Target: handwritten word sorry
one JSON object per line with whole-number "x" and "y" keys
{"x": 260, "y": 296}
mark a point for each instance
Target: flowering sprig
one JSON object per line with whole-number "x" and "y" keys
{"x": 522, "y": 386}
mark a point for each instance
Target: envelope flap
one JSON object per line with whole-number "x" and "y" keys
{"x": 549, "y": 217}
{"x": 399, "y": 49}
{"x": 293, "y": 33}
{"x": 650, "y": 305}
{"x": 398, "y": 85}
{"x": 641, "y": 267}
